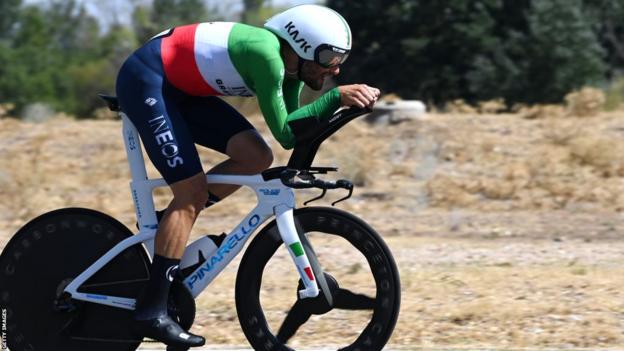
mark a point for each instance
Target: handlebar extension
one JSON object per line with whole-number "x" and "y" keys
{"x": 288, "y": 178}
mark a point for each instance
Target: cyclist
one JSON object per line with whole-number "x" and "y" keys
{"x": 169, "y": 89}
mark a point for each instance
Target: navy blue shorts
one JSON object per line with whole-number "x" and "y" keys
{"x": 169, "y": 121}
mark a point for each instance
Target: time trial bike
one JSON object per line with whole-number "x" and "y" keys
{"x": 69, "y": 278}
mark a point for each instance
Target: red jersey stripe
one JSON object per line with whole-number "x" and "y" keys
{"x": 178, "y": 57}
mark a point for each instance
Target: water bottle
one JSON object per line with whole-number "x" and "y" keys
{"x": 198, "y": 252}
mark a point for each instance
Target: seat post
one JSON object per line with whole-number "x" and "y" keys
{"x": 133, "y": 149}
{"x": 141, "y": 192}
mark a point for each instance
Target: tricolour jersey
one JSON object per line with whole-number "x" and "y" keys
{"x": 197, "y": 61}
{"x": 225, "y": 58}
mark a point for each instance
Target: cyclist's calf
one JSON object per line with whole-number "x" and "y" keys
{"x": 189, "y": 198}
{"x": 191, "y": 194}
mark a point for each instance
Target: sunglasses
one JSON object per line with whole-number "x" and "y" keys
{"x": 330, "y": 56}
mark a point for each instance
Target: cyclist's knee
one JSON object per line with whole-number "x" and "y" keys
{"x": 198, "y": 200}
{"x": 250, "y": 151}
{"x": 255, "y": 160}
{"x": 260, "y": 159}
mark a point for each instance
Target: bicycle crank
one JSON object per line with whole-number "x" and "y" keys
{"x": 304, "y": 308}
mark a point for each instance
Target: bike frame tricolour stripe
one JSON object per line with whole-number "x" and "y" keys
{"x": 274, "y": 199}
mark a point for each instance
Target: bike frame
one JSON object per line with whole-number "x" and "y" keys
{"x": 274, "y": 199}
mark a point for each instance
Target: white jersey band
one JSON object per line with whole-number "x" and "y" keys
{"x": 213, "y": 59}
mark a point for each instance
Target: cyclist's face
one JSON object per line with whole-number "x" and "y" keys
{"x": 314, "y": 75}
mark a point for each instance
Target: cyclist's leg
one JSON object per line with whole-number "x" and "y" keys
{"x": 249, "y": 154}
{"x": 189, "y": 197}
{"x": 150, "y": 103}
{"x": 217, "y": 125}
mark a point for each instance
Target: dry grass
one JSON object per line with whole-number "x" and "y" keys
{"x": 542, "y": 111}
{"x": 502, "y": 304}
{"x": 586, "y": 102}
{"x": 561, "y": 132}
{"x": 492, "y": 106}
{"x": 503, "y": 162}
{"x": 529, "y": 255}
{"x": 5, "y": 109}
{"x": 509, "y": 304}
{"x": 603, "y": 154}
{"x": 459, "y": 106}
{"x": 520, "y": 307}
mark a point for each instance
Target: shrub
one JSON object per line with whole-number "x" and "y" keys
{"x": 585, "y": 102}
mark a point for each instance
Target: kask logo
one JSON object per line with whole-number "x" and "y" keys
{"x": 294, "y": 33}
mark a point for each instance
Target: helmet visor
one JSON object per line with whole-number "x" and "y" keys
{"x": 330, "y": 56}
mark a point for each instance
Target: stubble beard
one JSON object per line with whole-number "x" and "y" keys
{"x": 310, "y": 80}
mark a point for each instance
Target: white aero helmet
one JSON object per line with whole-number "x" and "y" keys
{"x": 316, "y": 33}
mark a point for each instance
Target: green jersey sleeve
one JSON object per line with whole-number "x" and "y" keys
{"x": 292, "y": 89}
{"x": 257, "y": 58}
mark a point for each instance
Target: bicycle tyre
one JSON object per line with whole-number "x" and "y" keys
{"x": 326, "y": 221}
{"x": 43, "y": 257}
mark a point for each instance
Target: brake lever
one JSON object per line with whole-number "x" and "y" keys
{"x": 345, "y": 184}
{"x": 316, "y": 198}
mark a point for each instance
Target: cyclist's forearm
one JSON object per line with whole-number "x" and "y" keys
{"x": 322, "y": 108}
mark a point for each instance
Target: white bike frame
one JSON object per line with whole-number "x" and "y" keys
{"x": 274, "y": 199}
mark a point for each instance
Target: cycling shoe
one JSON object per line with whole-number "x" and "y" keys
{"x": 166, "y": 330}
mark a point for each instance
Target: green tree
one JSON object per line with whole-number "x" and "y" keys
{"x": 148, "y": 21}
{"x": 52, "y": 53}
{"x": 8, "y": 15}
{"x": 418, "y": 49}
{"x": 547, "y": 49}
{"x": 99, "y": 73}
{"x": 27, "y": 74}
{"x": 609, "y": 16}
{"x": 565, "y": 52}
{"x": 522, "y": 50}
{"x": 252, "y": 12}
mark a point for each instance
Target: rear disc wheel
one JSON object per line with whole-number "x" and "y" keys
{"x": 48, "y": 253}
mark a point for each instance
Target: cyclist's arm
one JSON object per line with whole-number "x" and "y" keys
{"x": 271, "y": 92}
{"x": 292, "y": 90}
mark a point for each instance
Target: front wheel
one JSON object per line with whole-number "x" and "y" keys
{"x": 361, "y": 277}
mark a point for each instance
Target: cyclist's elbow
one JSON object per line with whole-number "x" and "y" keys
{"x": 287, "y": 145}
{"x": 286, "y": 140}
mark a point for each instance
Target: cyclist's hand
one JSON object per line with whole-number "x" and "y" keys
{"x": 359, "y": 95}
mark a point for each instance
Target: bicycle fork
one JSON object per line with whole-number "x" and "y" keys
{"x": 292, "y": 240}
